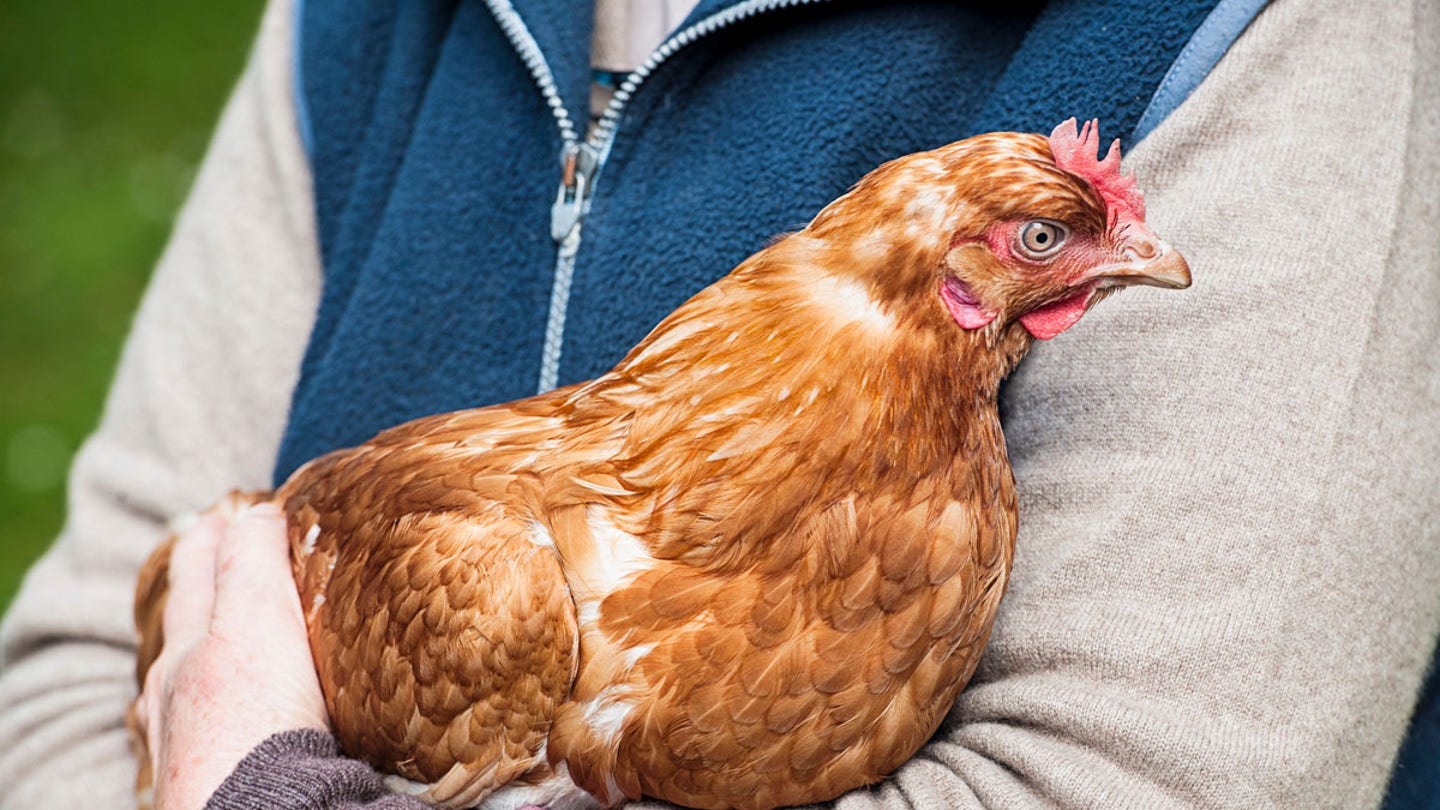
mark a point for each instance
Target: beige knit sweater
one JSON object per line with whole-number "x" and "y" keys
{"x": 1227, "y": 582}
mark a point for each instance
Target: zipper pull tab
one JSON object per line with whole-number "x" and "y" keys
{"x": 578, "y": 164}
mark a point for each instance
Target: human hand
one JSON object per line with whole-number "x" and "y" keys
{"x": 236, "y": 665}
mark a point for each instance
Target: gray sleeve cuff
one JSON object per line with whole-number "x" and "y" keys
{"x": 304, "y": 769}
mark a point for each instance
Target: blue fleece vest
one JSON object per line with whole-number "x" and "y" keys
{"x": 436, "y": 159}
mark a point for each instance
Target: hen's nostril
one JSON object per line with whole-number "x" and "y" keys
{"x": 1143, "y": 249}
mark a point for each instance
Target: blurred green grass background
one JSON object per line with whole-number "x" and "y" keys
{"x": 105, "y": 111}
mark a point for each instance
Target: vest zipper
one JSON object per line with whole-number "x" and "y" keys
{"x": 581, "y": 161}
{"x": 604, "y": 135}
{"x": 578, "y": 164}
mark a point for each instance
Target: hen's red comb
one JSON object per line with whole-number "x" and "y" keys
{"x": 1077, "y": 153}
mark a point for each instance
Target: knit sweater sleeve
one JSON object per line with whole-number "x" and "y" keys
{"x": 301, "y": 770}
{"x": 196, "y": 408}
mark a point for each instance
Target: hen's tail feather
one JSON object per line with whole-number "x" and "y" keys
{"x": 150, "y": 597}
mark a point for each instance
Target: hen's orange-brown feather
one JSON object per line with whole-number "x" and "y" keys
{"x": 750, "y": 566}
{"x": 444, "y": 634}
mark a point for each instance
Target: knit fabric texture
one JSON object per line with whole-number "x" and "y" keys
{"x": 301, "y": 770}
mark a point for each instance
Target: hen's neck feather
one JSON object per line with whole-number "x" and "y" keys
{"x": 787, "y": 334}
{"x": 790, "y": 378}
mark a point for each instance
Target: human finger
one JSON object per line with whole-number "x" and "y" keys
{"x": 191, "y": 592}
{"x": 252, "y": 564}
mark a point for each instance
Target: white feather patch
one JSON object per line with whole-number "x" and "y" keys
{"x": 850, "y": 302}
{"x": 619, "y": 557}
{"x": 556, "y": 793}
{"x": 606, "y": 713}
{"x": 539, "y": 536}
{"x": 634, "y": 654}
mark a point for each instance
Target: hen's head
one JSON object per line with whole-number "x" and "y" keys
{"x": 997, "y": 230}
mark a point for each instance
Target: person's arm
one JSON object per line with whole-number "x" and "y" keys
{"x": 232, "y": 709}
{"x": 197, "y": 408}
{"x": 1227, "y": 577}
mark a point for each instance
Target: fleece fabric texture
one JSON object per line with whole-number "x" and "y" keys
{"x": 436, "y": 161}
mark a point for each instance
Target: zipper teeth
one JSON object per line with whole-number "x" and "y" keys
{"x": 534, "y": 60}
{"x": 555, "y": 322}
{"x": 604, "y": 134}
{"x": 524, "y": 43}
{"x": 601, "y": 139}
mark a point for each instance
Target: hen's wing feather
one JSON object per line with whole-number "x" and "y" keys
{"x": 815, "y": 686}
{"x": 442, "y": 625}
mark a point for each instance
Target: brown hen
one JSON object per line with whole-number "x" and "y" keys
{"x": 753, "y": 564}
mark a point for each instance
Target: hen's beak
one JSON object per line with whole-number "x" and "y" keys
{"x": 1147, "y": 260}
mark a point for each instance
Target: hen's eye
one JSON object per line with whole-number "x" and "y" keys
{"x": 1040, "y": 239}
